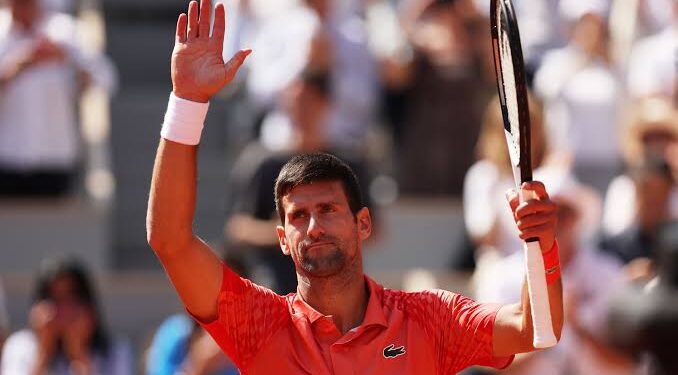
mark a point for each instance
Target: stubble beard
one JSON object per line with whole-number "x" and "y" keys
{"x": 327, "y": 262}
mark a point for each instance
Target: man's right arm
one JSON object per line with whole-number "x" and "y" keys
{"x": 198, "y": 72}
{"x": 194, "y": 269}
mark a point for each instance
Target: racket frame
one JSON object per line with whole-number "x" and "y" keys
{"x": 543, "y": 335}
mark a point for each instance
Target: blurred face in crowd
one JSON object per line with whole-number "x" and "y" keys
{"x": 566, "y": 230}
{"x": 68, "y": 305}
{"x": 653, "y": 191}
{"x": 308, "y": 108}
{"x": 320, "y": 232}
{"x": 24, "y": 12}
{"x": 591, "y": 35}
{"x": 322, "y": 7}
{"x": 657, "y": 141}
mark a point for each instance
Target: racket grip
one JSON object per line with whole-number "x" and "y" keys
{"x": 539, "y": 298}
{"x": 536, "y": 285}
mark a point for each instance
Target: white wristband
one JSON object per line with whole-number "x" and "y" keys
{"x": 184, "y": 120}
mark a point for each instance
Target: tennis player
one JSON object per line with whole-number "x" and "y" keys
{"x": 340, "y": 321}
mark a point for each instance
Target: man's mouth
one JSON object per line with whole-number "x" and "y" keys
{"x": 317, "y": 245}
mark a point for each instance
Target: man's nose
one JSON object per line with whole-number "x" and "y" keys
{"x": 315, "y": 228}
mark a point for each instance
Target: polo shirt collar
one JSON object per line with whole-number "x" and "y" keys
{"x": 374, "y": 314}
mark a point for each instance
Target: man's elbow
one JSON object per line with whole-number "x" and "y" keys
{"x": 155, "y": 237}
{"x": 163, "y": 240}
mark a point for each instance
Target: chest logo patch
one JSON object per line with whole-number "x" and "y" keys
{"x": 392, "y": 352}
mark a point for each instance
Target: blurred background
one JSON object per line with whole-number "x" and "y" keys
{"x": 404, "y": 90}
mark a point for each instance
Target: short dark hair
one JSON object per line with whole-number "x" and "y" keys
{"x": 306, "y": 169}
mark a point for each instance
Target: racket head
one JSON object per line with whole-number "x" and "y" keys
{"x": 512, "y": 87}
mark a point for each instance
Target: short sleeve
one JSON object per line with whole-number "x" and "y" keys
{"x": 461, "y": 329}
{"x": 248, "y": 316}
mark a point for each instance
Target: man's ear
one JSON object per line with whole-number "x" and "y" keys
{"x": 364, "y": 220}
{"x": 280, "y": 230}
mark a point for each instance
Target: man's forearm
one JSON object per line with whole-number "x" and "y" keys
{"x": 171, "y": 206}
{"x": 555, "y": 293}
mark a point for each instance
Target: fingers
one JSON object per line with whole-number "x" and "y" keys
{"x": 219, "y": 29}
{"x": 182, "y": 22}
{"x": 538, "y": 188}
{"x": 235, "y": 63}
{"x": 540, "y": 231}
{"x": 533, "y": 221}
{"x": 193, "y": 21}
{"x": 533, "y": 206}
{"x": 205, "y": 19}
{"x": 513, "y": 199}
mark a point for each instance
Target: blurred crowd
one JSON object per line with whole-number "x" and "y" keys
{"x": 404, "y": 90}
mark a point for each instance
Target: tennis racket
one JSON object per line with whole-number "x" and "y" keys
{"x": 510, "y": 72}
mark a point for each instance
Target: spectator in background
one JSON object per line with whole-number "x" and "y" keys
{"x": 42, "y": 69}
{"x": 652, "y": 132}
{"x": 542, "y": 28}
{"x": 67, "y": 334}
{"x": 654, "y": 184}
{"x": 333, "y": 41}
{"x": 652, "y": 64}
{"x": 582, "y": 95}
{"x": 308, "y": 102}
{"x": 646, "y": 321}
{"x": 181, "y": 347}
{"x": 488, "y": 223}
{"x": 444, "y": 88}
{"x": 588, "y": 279}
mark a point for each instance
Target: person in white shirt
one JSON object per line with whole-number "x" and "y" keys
{"x": 42, "y": 69}
{"x": 315, "y": 32}
{"x": 583, "y": 93}
{"x": 489, "y": 226}
{"x": 654, "y": 62}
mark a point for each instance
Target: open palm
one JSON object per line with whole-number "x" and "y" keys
{"x": 198, "y": 68}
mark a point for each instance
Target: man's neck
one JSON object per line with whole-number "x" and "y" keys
{"x": 344, "y": 297}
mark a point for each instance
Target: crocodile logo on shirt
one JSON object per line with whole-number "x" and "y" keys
{"x": 391, "y": 351}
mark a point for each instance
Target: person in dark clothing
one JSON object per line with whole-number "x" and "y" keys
{"x": 654, "y": 182}
{"x": 647, "y": 322}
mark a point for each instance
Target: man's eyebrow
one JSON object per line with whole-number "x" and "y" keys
{"x": 328, "y": 203}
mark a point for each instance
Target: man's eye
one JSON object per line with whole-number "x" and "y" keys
{"x": 327, "y": 209}
{"x": 298, "y": 215}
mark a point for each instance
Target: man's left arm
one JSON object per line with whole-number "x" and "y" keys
{"x": 536, "y": 218}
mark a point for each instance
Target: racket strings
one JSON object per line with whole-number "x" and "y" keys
{"x": 510, "y": 91}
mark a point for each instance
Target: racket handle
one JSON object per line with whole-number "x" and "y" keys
{"x": 539, "y": 297}
{"x": 537, "y": 289}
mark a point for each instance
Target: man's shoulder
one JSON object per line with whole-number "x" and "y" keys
{"x": 414, "y": 302}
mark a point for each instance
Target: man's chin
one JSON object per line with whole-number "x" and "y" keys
{"x": 325, "y": 266}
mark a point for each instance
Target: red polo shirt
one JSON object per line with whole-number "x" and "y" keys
{"x": 430, "y": 332}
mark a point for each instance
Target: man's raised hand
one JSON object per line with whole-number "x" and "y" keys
{"x": 535, "y": 218}
{"x": 198, "y": 68}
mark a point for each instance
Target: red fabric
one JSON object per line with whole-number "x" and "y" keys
{"x": 431, "y": 332}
